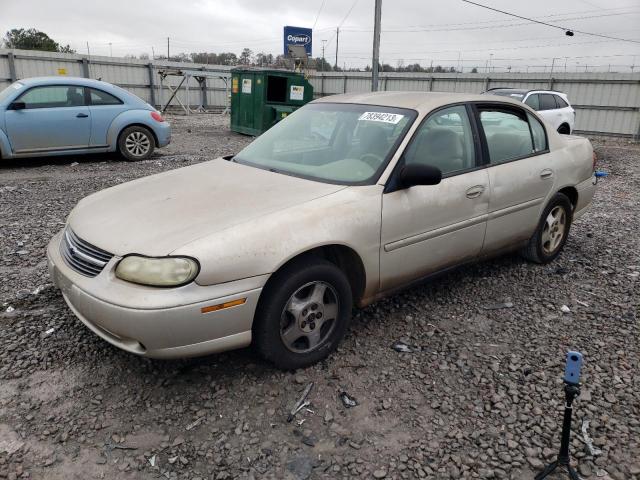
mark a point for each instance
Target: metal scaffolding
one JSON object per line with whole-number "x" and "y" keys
{"x": 186, "y": 75}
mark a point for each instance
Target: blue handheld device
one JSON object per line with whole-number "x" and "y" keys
{"x": 572, "y": 369}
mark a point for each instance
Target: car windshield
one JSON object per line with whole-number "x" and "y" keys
{"x": 10, "y": 89}
{"x": 331, "y": 142}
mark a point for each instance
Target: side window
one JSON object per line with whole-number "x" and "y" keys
{"x": 547, "y": 101}
{"x": 560, "y": 101}
{"x": 444, "y": 140}
{"x": 98, "y": 97}
{"x": 507, "y": 133}
{"x": 538, "y": 133}
{"x": 53, "y": 96}
{"x": 533, "y": 101}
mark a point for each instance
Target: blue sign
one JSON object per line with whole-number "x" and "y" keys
{"x": 297, "y": 36}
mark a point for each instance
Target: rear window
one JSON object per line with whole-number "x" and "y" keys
{"x": 533, "y": 101}
{"x": 98, "y": 97}
{"x": 560, "y": 101}
{"x": 547, "y": 101}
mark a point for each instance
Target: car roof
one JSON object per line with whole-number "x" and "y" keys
{"x": 421, "y": 101}
{"x": 522, "y": 91}
{"x": 32, "y": 81}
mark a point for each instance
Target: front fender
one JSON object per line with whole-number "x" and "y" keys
{"x": 350, "y": 217}
{"x": 123, "y": 120}
{"x": 5, "y": 146}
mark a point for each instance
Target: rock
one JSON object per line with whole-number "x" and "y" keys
{"x": 300, "y": 466}
{"x": 380, "y": 473}
{"x": 535, "y": 462}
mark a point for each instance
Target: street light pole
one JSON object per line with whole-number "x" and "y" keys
{"x": 323, "y": 45}
{"x": 376, "y": 45}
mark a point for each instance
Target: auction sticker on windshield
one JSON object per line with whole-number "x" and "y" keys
{"x": 393, "y": 118}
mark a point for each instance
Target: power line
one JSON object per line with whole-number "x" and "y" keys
{"x": 567, "y": 30}
{"x": 477, "y": 25}
{"x": 348, "y": 13}
{"x": 318, "y": 14}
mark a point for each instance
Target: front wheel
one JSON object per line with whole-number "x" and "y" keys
{"x": 136, "y": 143}
{"x": 302, "y": 314}
{"x": 552, "y": 232}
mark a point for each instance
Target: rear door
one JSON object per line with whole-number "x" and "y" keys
{"x": 55, "y": 117}
{"x": 548, "y": 110}
{"x": 520, "y": 171}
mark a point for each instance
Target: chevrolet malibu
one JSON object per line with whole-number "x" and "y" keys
{"x": 346, "y": 200}
{"x": 63, "y": 116}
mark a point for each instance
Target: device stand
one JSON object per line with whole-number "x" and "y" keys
{"x": 563, "y": 460}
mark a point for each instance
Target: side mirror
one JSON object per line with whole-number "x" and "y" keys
{"x": 17, "y": 106}
{"x": 417, "y": 174}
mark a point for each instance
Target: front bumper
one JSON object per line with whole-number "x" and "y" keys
{"x": 155, "y": 322}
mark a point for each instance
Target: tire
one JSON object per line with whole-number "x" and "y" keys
{"x": 544, "y": 247}
{"x": 136, "y": 143}
{"x": 564, "y": 129}
{"x": 294, "y": 325}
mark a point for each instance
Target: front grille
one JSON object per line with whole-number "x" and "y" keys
{"x": 83, "y": 257}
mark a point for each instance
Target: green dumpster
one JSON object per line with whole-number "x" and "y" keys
{"x": 262, "y": 97}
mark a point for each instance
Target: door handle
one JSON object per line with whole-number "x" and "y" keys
{"x": 82, "y": 115}
{"x": 547, "y": 173}
{"x": 475, "y": 192}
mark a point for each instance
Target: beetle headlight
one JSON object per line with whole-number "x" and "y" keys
{"x": 157, "y": 272}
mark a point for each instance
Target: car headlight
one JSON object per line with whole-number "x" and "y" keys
{"x": 157, "y": 271}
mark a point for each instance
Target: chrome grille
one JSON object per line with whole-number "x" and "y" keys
{"x": 83, "y": 257}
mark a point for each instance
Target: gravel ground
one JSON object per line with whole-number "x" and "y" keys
{"x": 479, "y": 395}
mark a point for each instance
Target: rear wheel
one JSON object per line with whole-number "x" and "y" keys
{"x": 303, "y": 314}
{"x": 564, "y": 129}
{"x": 552, "y": 232}
{"x": 136, "y": 143}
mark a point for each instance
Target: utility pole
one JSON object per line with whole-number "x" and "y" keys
{"x": 153, "y": 53}
{"x": 337, "y": 38}
{"x": 377, "y": 18}
{"x": 167, "y": 49}
{"x": 89, "y": 51}
{"x": 553, "y": 62}
{"x": 110, "y": 50}
{"x": 324, "y": 42}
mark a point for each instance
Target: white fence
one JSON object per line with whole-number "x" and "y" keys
{"x": 606, "y": 103}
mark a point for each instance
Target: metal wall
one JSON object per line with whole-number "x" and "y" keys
{"x": 606, "y": 103}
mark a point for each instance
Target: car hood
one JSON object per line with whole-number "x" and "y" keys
{"x": 158, "y": 214}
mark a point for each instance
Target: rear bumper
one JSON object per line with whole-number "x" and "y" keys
{"x": 586, "y": 190}
{"x": 170, "y": 329}
{"x": 163, "y": 134}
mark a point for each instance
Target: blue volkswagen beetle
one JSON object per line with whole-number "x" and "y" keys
{"x": 61, "y": 116}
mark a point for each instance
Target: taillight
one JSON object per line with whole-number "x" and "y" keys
{"x": 595, "y": 159}
{"x": 157, "y": 117}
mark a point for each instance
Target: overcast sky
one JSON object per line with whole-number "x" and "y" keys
{"x": 447, "y": 32}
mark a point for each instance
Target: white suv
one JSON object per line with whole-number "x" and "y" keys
{"x": 553, "y": 107}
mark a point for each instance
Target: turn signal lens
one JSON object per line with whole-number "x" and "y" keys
{"x": 157, "y": 117}
{"x": 221, "y": 306}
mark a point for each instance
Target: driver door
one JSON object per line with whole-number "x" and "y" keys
{"x": 429, "y": 228}
{"x": 55, "y": 117}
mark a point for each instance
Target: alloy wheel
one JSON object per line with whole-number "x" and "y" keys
{"x": 553, "y": 230}
{"x": 309, "y": 317}
{"x": 137, "y": 144}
